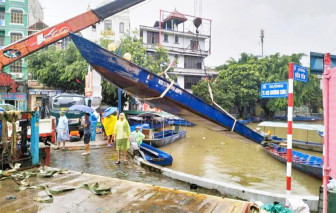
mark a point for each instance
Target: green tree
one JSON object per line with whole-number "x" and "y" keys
{"x": 62, "y": 69}
{"x": 243, "y": 77}
{"x": 66, "y": 69}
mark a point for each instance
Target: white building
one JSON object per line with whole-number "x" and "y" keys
{"x": 183, "y": 44}
{"x": 35, "y": 12}
{"x": 112, "y": 28}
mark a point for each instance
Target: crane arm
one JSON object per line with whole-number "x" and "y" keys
{"x": 30, "y": 44}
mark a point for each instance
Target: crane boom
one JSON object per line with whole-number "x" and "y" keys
{"x": 30, "y": 44}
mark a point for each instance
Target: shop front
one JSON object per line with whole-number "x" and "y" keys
{"x": 18, "y": 100}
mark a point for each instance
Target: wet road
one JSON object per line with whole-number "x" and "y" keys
{"x": 101, "y": 162}
{"x": 222, "y": 157}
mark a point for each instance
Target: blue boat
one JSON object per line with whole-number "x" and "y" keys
{"x": 307, "y": 145}
{"x": 156, "y": 156}
{"x": 158, "y": 91}
{"x": 164, "y": 138}
{"x": 181, "y": 122}
{"x": 155, "y": 120}
{"x": 299, "y": 118}
{"x": 306, "y": 163}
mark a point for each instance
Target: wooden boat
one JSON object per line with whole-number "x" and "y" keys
{"x": 307, "y": 145}
{"x": 306, "y": 163}
{"x": 155, "y": 120}
{"x": 156, "y": 156}
{"x": 158, "y": 91}
{"x": 299, "y": 118}
{"x": 312, "y": 146}
{"x": 163, "y": 138}
{"x": 181, "y": 122}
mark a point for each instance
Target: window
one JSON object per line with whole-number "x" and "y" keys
{"x": 16, "y": 66}
{"x": 17, "y": 16}
{"x": 194, "y": 45}
{"x": 176, "y": 39}
{"x": 2, "y": 41}
{"x": 2, "y": 15}
{"x": 107, "y": 25}
{"x": 192, "y": 62}
{"x": 121, "y": 27}
{"x": 165, "y": 37}
{"x": 191, "y": 80}
{"x": 15, "y": 37}
{"x": 152, "y": 38}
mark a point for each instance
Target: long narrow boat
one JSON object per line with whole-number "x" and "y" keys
{"x": 164, "y": 138}
{"x": 158, "y": 91}
{"x": 156, "y": 156}
{"x": 307, "y": 145}
{"x": 306, "y": 163}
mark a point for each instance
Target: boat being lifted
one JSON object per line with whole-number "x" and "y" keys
{"x": 159, "y": 92}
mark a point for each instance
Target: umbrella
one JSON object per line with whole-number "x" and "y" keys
{"x": 109, "y": 111}
{"x": 81, "y": 108}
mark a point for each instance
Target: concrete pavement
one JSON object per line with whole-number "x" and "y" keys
{"x": 125, "y": 196}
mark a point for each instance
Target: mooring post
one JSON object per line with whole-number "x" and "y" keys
{"x": 34, "y": 138}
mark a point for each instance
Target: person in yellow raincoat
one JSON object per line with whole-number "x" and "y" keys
{"x": 122, "y": 133}
{"x": 109, "y": 123}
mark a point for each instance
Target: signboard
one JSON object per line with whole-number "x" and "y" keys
{"x": 317, "y": 62}
{"x": 44, "y": 92}
{"x": 13, "y": 96}
{"x": 300, "y": 73}
{"x": 274, "y": 90}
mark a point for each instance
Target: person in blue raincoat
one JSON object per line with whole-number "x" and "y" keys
{"x": 62, "y": 130}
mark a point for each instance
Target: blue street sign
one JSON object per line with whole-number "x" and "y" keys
{"x": 274, "y": 90}
{"x": 300, "y": 73}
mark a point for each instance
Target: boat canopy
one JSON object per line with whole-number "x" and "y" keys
{"x": 317, "y": 127}
{"x": 157, "y": 114}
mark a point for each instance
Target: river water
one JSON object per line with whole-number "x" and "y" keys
{"x": 224, "y": 157}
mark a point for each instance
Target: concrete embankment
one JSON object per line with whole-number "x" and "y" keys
{"x": 227, "y": 189}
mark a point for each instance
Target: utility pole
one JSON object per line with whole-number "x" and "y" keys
{"x": 262, "y": 42}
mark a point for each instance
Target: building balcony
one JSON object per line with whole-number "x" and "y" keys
{"x": 178, "y": 50}
{"x": 174, "y": 32}
{"x": 196, "y": 72}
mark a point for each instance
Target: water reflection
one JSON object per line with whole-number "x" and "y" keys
{"x": 221, "y": 157}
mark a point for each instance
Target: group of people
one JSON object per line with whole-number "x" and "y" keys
{"x": 117, "y": 131}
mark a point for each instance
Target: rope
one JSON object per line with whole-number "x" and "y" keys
{"x": 162, "y": 95}
{"x": 217, "y": 105}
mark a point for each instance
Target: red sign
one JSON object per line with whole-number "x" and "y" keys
{"x": 7, "y": 81}
{"x": 49, "y": 35}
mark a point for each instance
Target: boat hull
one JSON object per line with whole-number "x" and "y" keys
{"x": 311, "y": 146}
{"x": 144, "y": 84}
{"x": 303, "y": 166}
{"x": 161, "y": 159}
{"x": 159, "y": 142}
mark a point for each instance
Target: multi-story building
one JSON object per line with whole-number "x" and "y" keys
{"x": 15, "y": 18}
{"x": 189, "y": 47}
{"x": 112, "y": 28}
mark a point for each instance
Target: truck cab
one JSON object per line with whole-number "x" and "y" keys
{"x": 62, "y": 102}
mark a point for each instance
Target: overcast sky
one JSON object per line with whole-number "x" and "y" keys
{"x": 291, "y": 26}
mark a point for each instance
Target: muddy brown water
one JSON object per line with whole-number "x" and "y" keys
{"x": 223, "y": 157}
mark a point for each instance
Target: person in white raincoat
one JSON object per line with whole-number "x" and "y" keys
{"x": 62, "y": 130}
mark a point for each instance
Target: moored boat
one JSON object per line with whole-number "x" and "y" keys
{"x": 163, "y": 138}
{"x": 306, "y": 145}
{"x": 156, "y": 156}
{"x": 306, "y": 163}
